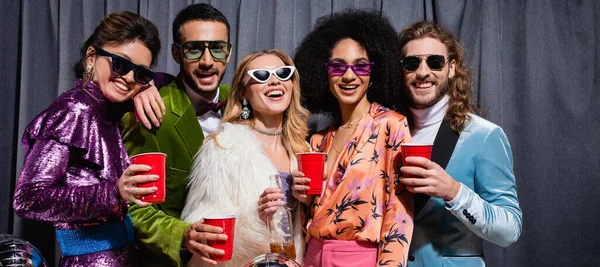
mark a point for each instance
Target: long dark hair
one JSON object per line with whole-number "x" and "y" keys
{"x": 120, "y": 28}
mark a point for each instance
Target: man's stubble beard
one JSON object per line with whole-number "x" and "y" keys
{"x": 439, "y": 94}
{"x": 192, "y": 83}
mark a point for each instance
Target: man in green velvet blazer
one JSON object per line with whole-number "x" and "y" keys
{"x": 202, "y": 49}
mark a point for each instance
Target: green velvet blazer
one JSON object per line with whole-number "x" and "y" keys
{"x": 158, "y": 229}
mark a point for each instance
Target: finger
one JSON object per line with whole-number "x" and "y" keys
{"x": 200, "y": 227}
{"x": 300, "y": 188}
{"x": 297, "y": 173}
{"x": 140, "y": 203}
{"x": 301, "y": 180}
{"x": 138, "y": 168}
{"x": 264, "y": 214}
{"x": 421, "y": 161}
{"x": 157, "y": 110}
{"x": 414, "y": 182}
{"x": 140, "y": 179}
{"x": 202, "y": 249}
{"x": 299, "y": 193}
{"x": 269, "y": 191}
{"x": 273, "y": 205}
{"x": 150, "y": 112}
{"x": 199, "y": 236}
{"x": 160, "y": 105}
{"x": 139, "y": 111}
{"x": 423, "y": 190}
{"x": 272, "y": 197}
{"x": 413, "y": 171}
{"x": 141, "y": 191}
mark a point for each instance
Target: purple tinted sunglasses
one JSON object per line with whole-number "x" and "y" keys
{"x": 338, "y": 69}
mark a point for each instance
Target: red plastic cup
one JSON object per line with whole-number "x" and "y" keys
{"x": 227, "y": 222}
{"x": 312, "y": 164}
{"x": 415, "y": 150}
{"x": 156, "y": 161}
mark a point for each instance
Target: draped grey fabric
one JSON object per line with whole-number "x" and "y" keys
{"x": 535, "y": 63}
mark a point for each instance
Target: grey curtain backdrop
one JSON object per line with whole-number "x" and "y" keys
{"x": 537, "y": 76}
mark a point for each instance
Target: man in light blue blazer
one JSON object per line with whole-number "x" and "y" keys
{"x": 466, "y": 193}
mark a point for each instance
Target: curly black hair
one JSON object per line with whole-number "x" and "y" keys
{"x": 376, "y": 35}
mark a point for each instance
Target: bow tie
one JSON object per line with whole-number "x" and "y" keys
{"x": 215, "y": 107}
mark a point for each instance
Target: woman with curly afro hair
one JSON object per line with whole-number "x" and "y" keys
{"x": 349, "y": 67}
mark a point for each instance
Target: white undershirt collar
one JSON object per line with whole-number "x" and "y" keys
{"x": 428, "y": 121}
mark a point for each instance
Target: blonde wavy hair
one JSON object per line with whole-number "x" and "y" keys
{"x": 461, "y": 85}
{"x": 295, "y": 128}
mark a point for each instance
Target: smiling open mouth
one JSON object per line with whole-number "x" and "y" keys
{"x": 423, "y": 84}
{"x": 274, "y": 93}
{"x": 348, "y": 87}
{"x": 120, "y": 86}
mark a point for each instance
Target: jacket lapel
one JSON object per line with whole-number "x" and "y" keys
{"x": 223, "y": 92}
{"x": 443, "y": 146}
{"x": 187, "y": 125}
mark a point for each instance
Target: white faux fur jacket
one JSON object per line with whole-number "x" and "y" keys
{"x": 227, "y": 177}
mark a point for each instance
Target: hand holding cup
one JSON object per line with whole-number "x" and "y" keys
{"x": 421, "y": 175}
{"x": 312, "y": 165}
{"x": 127, "y": 184}
{"x": 156, "y": 161}
{"x": 196, "y": 237}
{"x": 227, "y": 223}
{"x": 300, "y": 187}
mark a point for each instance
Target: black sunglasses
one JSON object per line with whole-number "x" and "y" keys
{"x": 282, "y": 73}
{"x": 194, "y": 50}
{"x": 434, "y": 62}
{"x": 122, "y": 66}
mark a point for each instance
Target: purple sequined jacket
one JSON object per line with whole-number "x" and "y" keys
{"x": 74, "y": 157}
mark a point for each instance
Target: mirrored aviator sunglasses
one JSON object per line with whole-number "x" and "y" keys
{"x": 122, "y": 66}
{"x": 194, "y": 50}
{"x": 434, "y": 62}
{"x": 282, "y": 73}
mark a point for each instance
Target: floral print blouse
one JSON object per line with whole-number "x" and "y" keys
{"x": 363, "y": 199}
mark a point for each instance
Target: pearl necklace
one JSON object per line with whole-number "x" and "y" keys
{"x": 267, "y": 132}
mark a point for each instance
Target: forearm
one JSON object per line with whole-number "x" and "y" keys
{"x": 492, "y": 203}
{"x": 42, "y": 193}
{"x": 158, "y": 232}
{"x": 499, "y": 224}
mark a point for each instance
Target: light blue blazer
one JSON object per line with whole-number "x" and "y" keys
{"x": 486, "y": 207}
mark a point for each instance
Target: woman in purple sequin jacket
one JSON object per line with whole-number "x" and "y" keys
{"x": 76, "y": 174}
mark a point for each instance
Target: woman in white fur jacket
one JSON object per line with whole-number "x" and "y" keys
{"x": 263, "y": 127}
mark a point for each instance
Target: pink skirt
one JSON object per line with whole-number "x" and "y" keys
{"x": 334, "y": 253}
